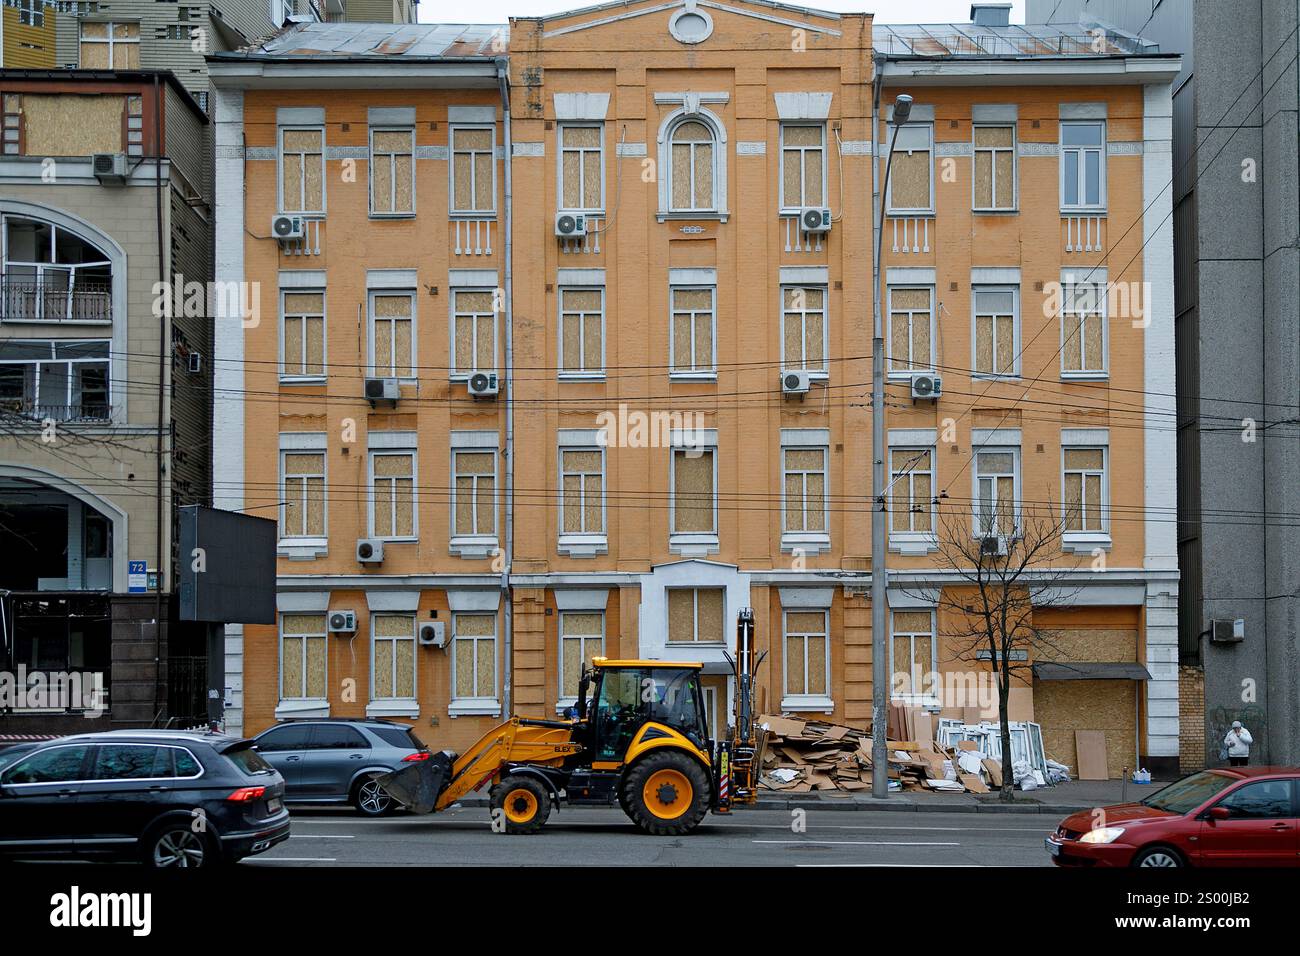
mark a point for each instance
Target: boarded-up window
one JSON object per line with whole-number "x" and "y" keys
{"x": 582, "y": 319}
{"x": 805, "y": 489}
{"x": 691, "y": 169}
{"x": 582, "y": 637}
{"x": 912, "y": 652}
{"x": 1083, "y": 165}
{"x": 1083, "y": 329}
{"x": 807, "y": 653}
{"x": 995, "y": 331}
{"x": 692, "y": 329}
{"x": 910, "y": 321}
{"x": 1084, "y": 491}
{"x": 911, "y": 503}
{"x": 995, "y": 167}
{"x": 474, "y": 658}
{"x": 302, "y": 656}
{"x": 582, "y": 491}
{"x": 474, "y": 499}
{"x": 65, "y": 125}
{"x": 910, "y": 170}
{"x": 13, "y": 123}
{"x": 302, "y": 170}
{"x": 392, "y": 172}
{"x": 303, "y": 493}
{"x": 803, "y": 328}
{"x": 693, "y": 491}
{"x": 474, "y": 341}
{"x": 392, "y": 643}
{"x": 110, "y": 45}
{"x": 695, "y": 615}
{"x": 803, "y": 166}
{"x": 473, "y": 169}
{"x": 995, "y": 491}
{"x": 392, "y": 333}
{"x": 392, "y": 492}
{"x": 582, "y": 169}
{"x": 304, "y": 335}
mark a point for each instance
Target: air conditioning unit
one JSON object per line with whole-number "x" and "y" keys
{"x": 370, "y": 551}
{"x": 1228, "y": 632}
{"x": 815, "y": 219}
{"x": 483, "y": 384}
{"x": 287, "y": 227}
{"x": 795, "y": 382}
{"x": 994, "y": 545}
{"x": 926, "y": 387}
{"x": 383, "y": 389}
{"x": 342, "y": 622}
{"x": 109, "y": 167}
{"x": 433, "y": 634}
{"x": 570, "y": 225}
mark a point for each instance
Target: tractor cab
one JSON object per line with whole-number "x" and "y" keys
{"x": 628, "y": 695}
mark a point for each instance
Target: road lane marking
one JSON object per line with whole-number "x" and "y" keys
{"x": 853, "y": 843}
{"x": 292, "y": 859}
{"x": 322, "y": 836}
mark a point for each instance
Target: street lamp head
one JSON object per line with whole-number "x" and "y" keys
{"x": 902, "y": 108}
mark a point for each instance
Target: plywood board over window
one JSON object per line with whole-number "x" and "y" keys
{"x": 73, "y": 125}
{"x": 693, "y": 491}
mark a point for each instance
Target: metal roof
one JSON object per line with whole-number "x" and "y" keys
{"x": 379, "y": 41}
{"x": 1090, "y": 670}
{"x": 941, "y": 40}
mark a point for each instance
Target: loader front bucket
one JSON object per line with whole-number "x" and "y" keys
{"x": 418, "y": 785}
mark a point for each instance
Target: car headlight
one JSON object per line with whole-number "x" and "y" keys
{"x": 1102, "y": 835}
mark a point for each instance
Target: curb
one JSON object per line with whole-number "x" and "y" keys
{"x": 892, "y": 805}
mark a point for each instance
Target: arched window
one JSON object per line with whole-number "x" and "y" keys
{"x": 53, "y": 275}
{"x": 693, "y": 155}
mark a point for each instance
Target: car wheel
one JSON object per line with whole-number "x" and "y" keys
{"x": 177, "y": 845}
{"x": 371, "y": 799}
{"x": 1158, "y": 856}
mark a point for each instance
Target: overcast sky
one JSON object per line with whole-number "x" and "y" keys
{"x": 886, "y": 11}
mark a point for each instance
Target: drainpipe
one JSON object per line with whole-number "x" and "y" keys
{"x": 879, "y": 659}
{"x": 164, "y": 337}
{"x": 507, "y": 650}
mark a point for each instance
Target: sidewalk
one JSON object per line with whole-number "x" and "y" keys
{"x": 1064, "y": 798}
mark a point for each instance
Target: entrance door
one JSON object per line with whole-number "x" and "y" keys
{"x": 715, "y": 704}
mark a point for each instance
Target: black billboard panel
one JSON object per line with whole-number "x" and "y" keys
{"x": 227, "y": 566}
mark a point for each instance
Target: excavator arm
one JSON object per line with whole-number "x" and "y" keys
{"x": 740, "y": 758}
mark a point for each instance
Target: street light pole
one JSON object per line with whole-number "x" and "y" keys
{"x": 879, "y": 532}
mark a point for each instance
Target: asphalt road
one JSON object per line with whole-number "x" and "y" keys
{"x": 583, "y": 837}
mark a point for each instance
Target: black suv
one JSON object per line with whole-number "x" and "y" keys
{"x": 168, "y": 798}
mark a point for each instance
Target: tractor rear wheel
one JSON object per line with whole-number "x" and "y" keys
{"x": 521, "y": 803}
{"x": 666, "y": 793}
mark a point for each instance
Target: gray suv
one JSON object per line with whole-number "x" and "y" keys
{"x": 337, "y": 760}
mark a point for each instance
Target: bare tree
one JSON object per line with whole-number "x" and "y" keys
{"x": 1006, "y": 570}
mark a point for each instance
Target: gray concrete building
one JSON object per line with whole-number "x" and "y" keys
{"x": 1237, "y": 249}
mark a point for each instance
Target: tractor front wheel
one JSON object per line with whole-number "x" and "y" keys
{"x": 666, "y": 793}
{"x": 521, "y": 803}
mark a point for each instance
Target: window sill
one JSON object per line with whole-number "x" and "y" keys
{"x": 474, "y": 707}
{"x": 908, "y": 375}
{"x": 590, "y": 213}
{"x": 913, "y": 542}
{"x": 302, "y": 380}
{"x": 466, "y": 214}
{"x": 1085, "y": 376}
{"x": 1085, "y": 542}
{"x": 394, "y": 707}
{"x": 807, "y": 703}
{"x": 1099, "y": 212}
{"x": 909, "y": 213}
{"x": 994, "y": 377}
{"x": 302, "y": 549}
{"x": 807, "y": 542}
{"x": 474, "y": 546}
{"x": 693, "y": 545}
{"x": 583, "y": 545}
{"x": 711, "y": 376}
{"x": 665, "y": 215}
{"x": 581, "y": 376}
{"x": 393, "y": 215}
{"x": 306, "y": 707}
{"x": 409, "y": 539}
{"x": 1014, "y": 211}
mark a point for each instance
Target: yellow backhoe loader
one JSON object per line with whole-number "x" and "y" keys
{"x": 641, "y": 742}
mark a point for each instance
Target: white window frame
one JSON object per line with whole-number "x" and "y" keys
{"x": 1014, "y": 150}
{"x": 582, "y": 374}
{"x": 34, "y": 13}
{"x": 975, "y": 314}
{"x": 458, "y": 374}
{"x": 453, "y": 212}
{"x": 916, "y": 697}
{"x": 695, "y": 617}
{"x": 792, "y": 208}
{"x": 279, "y": 169}
{"x": 977, "y": 476}
{"x": 911, "y": 540}
{"x": 821, "y": 373}
{"x": 890, "y": 208}
{"x": 304, "y": 539}
{"x": 465, "y": 706}
{"x": 303, "y": 378}
{"x": 585, "y": 543}
{"x": 691, "y": 372}
{"x": 1083, "y": 206}
{"x": 807, "y": 701}
{"x": 455, "y": 474}
{"x": 388, "y": 157}
{"x": 714, "y": 206}
{"x": 387, "y": 704}
{"x": 415, "y": 493}
{"x": 1087, "y": 539}
{"x": 372, "y": 320}
{"x": 562, "y": 149}
{"x": 110, "y": 41}
{"x": 279, "y": 687}
{"x": 803, "y": 539}
{"x": 567, "y": 700}
{"x": 912, "y": 369}
{"x": 1103, "y": 310}
{"x": 69, "y": 269}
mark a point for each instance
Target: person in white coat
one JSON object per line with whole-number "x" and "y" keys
{"x": 1237, "y": 743}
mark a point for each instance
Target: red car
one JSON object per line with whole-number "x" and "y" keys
{"x": 1238, "y": 816}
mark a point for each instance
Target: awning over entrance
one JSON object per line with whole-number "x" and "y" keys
{"x": 1090, "y": 670}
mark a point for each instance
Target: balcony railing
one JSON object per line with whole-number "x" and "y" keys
{"x": 92, "y": 412}
{"x": 911, "y": 234}
{"x": 30, "y": 300}
{"x": 472, "y": 237}
{"x": 588, "y": 244}
{"x": 309, "y": 244}
{"x": 799, "y": 240}
{"x": 1083, "y": 233}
